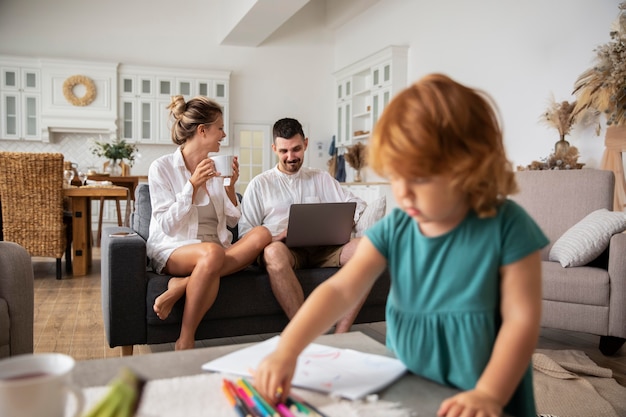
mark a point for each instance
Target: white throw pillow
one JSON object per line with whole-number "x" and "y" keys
{"x": 374, "y": 212}
{"x": 587, "y": 239}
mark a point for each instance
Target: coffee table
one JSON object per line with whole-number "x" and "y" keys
{"x": 412, "y": 391}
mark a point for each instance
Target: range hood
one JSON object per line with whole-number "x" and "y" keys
{"x": 88, "y": 126}
{"x": 61, "y": 114}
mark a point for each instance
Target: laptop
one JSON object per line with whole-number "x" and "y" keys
{"x": 320, "y": 224}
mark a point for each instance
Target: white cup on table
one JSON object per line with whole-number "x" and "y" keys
{"x": 37, "y": 385}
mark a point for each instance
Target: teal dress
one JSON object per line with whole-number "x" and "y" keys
{"x": 443, "y": 306}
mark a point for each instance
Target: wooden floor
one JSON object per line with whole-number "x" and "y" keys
{"x": 68, "y": 319}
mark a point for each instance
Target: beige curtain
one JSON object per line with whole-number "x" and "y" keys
{"x": 615, "y": 144}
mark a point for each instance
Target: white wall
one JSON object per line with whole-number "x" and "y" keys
{"x": 290, "y": 75}
{"x": 519, "y": 52}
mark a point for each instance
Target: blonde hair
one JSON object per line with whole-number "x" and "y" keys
{"x": 438, "y": 126}
{"x": 189, "y": 115}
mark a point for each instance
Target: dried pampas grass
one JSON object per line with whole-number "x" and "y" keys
{"x": 603, "y": 87}
{"x": 355, "y": 156}
{"x": 560, "y": 116}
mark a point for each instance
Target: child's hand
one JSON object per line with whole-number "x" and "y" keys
{"x": 471, "y": 403}
{"x": 273, "y": 376}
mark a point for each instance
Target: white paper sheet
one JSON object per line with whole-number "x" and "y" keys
{"x": 345, "y": 372}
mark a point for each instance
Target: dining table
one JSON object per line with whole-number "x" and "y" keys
{"x": 80, "y": 206}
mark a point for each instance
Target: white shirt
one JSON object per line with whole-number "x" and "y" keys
{"x": 174, "y": 221}
{"x": 268, "y": 197}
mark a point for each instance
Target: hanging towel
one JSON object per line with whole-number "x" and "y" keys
{"x": 340, "y": 175}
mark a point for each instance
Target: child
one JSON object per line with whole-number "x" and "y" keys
{"x": 465, "y": 298}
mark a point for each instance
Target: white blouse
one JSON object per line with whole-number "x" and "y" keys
{"x": 174, "y": 221}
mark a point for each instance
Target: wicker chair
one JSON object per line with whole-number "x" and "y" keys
{"x": 31, "y": 192}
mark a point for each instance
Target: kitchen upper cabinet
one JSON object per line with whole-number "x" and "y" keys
{"x": 137, "y": 108}
{"x": 145, "y": 93}
{"x": 363, "y": 91}
{"x": 20, "y": 106}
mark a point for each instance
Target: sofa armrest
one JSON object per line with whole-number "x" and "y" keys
{"x": 617, "y": 278}
{"x": 17, "y": 289}
{"x": 124, "y": 285}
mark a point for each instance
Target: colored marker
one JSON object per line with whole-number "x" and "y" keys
{"x": 233, "y": 391}
{"x": 309, "y": 406}
{"x": 283, "y": 410}
{"x": 250, "y": 402}
{"x": 298, "y": 406}
{"x": 233, "y": 402}
{"x": 254, "y": 393}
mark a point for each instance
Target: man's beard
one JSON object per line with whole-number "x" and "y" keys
{"x": 292, "y": 166}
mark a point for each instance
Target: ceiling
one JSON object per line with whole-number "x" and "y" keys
{"x": 251, "y": 22}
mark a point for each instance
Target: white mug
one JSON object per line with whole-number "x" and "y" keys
{"x": 37, "y": 385}
{"x": 224, "y": 164}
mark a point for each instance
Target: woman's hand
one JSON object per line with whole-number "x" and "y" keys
{"x": 273, "y": 376}
{"x": 470, "y": 403}
{"x": 203, "y": 172}
{"x": 235, "y": 176}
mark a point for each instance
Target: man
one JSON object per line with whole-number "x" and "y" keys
{"x": 266, "y": 203}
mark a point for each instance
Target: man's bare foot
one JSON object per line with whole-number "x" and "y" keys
{"x": 165, "y": 302}
{"x": 343, "y": 325}
{"x": 184, "y": 345}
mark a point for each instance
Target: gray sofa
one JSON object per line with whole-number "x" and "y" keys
{"x": 16, "y": 300}
{"x": 589, "y": 298}
{"x": 245, "y": 303}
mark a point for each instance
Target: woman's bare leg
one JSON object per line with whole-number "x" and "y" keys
{"x": 246, "y": 250}
{"x": 164, "y": 303}
{"x": 206, "y": 261}
{"x": 238, "y": 256}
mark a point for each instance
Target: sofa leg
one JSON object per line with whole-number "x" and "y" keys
{"x": 127, "y": 350}
{"x": 609, "y": 345}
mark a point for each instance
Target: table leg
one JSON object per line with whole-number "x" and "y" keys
{"x": 81, "y": 235}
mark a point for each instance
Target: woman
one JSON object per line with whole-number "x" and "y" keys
{"x": 191, "y": 209}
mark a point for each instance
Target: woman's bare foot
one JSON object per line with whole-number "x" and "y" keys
{"x": 165, "y": 302}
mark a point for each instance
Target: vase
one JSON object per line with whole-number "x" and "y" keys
{"x": 561, "y": 147}
{"x": 113, "y": 168}
{"x": 357, "y": 176}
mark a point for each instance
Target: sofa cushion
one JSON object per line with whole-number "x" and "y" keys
{"x": 588, "y": 238}
{"x": 583, "y": 285}
{"x": 143, "y": 211}
{"x": 373, "y": 212}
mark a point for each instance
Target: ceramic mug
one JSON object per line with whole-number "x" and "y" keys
{"x": 224, "y": 164}
{"x": 37, "y": 385}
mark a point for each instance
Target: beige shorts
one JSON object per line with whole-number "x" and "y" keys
{"x": 313, "y": 257}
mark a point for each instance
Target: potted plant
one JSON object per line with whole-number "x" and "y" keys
{"x": 118, "y": 150}
{"x": 560, "y": 115}
{"x": 602, "y": 89}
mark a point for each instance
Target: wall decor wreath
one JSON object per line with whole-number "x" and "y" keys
{"x": 73, "y": 81}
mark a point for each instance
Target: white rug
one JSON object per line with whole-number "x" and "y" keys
{"x": 201, "y": 395}
{"x": 568, "y": 383}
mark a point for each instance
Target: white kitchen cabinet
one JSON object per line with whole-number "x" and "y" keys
{"x": 366, "y": 87}
{"x": 20, "y": 106}
{"x": 145, "y": 93}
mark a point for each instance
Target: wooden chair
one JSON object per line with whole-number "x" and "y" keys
{"x": 125, "y": 172}
{"x": 31, "y": 191}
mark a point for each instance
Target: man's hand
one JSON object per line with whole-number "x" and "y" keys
{"x": 280, "y": 237}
